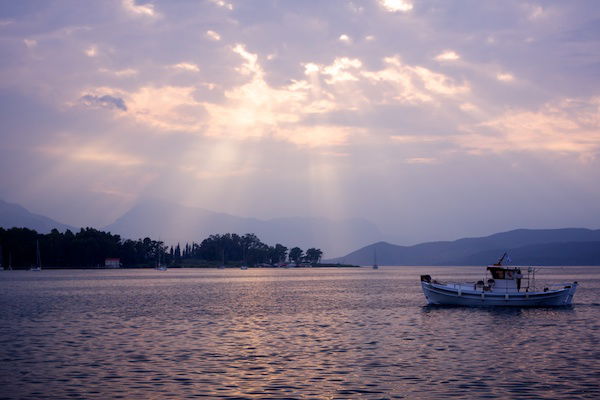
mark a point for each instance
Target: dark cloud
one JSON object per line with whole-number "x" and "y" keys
{"x": 105, "y": 101}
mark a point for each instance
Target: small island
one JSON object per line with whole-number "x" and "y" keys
{"x": 22, "y": 248}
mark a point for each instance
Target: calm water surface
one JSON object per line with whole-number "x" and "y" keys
{"x": 287, "y": 334}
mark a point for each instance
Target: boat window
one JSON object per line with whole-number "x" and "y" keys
{"x": 497, "y": 273}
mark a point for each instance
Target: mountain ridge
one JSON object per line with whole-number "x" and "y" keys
{"x": 577, "y": 246}
{"x": 14, "y": 215}
{"x": 176, "y": 223}
{"x": 478, "y": 250}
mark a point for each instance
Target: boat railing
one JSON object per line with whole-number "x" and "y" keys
{"x": 560, "y": 285}
{"x": 455, "y": 285}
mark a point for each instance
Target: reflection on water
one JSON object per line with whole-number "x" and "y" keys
{"x": 321, "y": 334}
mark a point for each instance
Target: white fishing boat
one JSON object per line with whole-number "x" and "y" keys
{"x": 505, "y": 286}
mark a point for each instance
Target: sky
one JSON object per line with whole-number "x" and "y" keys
{"x": 435, "y": 120}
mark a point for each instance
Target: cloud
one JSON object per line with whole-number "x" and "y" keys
{"x": 139, "y": 9}
{"x": 105, "y": 101}
{"x": 413, "y": 84}
{"x": 345, "y": 39}
{"x": 184, "y": 66}
{"x": 167, "y": 108}
{"x": 570, "y": 126}
{"x": 447, "y": 55}
{"x": 213, "y": 35}
{"x": 257, "y": 109}
{"x": 223, "y": 4}
{"x": 91, "y": 51}
{"x": 505, "y": 77}
{"x": 396, "y": 5}
{"x": 120, "y": 73}
{"x": 420, "y": 160}
{"x": 91, "y": 153}
{"x": 30, "y": 43}
{"x": 342, "y": 69}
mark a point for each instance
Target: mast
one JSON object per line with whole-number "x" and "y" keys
{"x": 500, "y": 260}
{"x": 38, "y": 257}
{"x": 375, "y": 266}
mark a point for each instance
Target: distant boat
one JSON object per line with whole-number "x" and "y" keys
{"x": 160, "y": 267}
{"x": 38, "y": 258}
{"x": 507, "y": 286}
{"x": 375, "y": 266}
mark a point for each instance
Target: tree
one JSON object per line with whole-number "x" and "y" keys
{"x": 296, "y": 254}
{"x": 278, "y": 253}
{"x": 314, "y": 255}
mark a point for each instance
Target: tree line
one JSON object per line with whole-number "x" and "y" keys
{"x": 89, "y": 248}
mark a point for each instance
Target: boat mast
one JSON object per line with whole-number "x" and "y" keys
{"x": 38, "y": 257}
{"x": 375, "y": 257}
{"x": 500, "y": 260}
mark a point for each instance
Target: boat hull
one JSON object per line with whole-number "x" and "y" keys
{"x": 438, "y": 294}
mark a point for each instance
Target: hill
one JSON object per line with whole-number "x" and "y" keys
{"x": 171, "y": 222}
{"x": 569, "y": 246}
{"x": 13, "y": 215}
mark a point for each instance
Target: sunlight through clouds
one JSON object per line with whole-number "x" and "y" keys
{"x": 256, "y": 109}
{"x": 295, "y": 99}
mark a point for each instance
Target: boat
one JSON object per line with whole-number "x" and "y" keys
{"x": 506, "y": 286}
{"x": 159, "y": 266}
{"x": 38, "y": 258}
{"x": 375, "y": 266}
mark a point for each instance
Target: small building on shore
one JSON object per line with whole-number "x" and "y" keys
{"x": 112, "y": 263}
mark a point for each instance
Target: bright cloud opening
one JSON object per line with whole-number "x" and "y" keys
{"x": 212, "y": 35}
{"x": 447, "y": 55}
{"x": 223, "y": 4}
{"x": 396, "y": 5}
{"x": 139, "y": 9}
{"x": 184, "y": 66}
{"x": 505, "y": 77}
{"x": 345, "y": 39}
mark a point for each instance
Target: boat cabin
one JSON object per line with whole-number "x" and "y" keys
{"x": 505, "y": 278}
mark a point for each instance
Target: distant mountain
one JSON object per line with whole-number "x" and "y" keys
{"x": 570, "y": 246}
{"x": 13, "y": 215}
{"x": 174, "y": 223}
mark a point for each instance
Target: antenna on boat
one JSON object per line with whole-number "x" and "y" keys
{"x": 501, "y": 259}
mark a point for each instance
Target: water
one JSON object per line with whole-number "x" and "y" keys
{"x": 293, "y": 334}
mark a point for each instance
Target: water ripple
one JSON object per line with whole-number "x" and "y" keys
{"x": 285, "y": 334}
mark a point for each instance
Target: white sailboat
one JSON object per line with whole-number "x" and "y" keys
{"x": 375, "y": 266}
{"x": 38, "y": 258}
{"x": 160, "y": 267}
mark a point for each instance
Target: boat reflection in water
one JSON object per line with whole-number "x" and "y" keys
{"x": 506, "y": 286}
